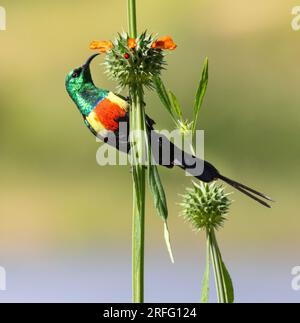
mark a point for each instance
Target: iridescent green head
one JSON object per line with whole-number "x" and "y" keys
{"x": 81, "y": 88}
{"x": 79, "y": 77}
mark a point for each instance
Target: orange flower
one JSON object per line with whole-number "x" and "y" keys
{"x": 131, "y": 43}
{"x": 103, "y": 46}
{"x": 164, "y": 43}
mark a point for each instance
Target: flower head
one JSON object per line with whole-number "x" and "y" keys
{"x": 134, "y": 61}
{"x": 205, "y": 206}
{"x": 131, "y": 43}
{"x": 103, "y": 46}
{"x": 164, "y": 43}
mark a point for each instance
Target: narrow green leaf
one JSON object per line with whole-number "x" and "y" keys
{"x": 176, "y": 106}
{"x": 228, "y": 283}
{"x": 224, "y": 284}
{"x": 200, "y": 93}
{"x": 160, "y": 203}
{"x": 164, "y": 97}
{"x": 168, "y": 241}
{"x": 158, "y": 192}
{"x": 162, "y": 93}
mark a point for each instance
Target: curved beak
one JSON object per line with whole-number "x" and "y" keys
{"x": 88, "y": 62}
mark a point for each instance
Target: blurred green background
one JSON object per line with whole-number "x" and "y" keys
{"x": 57, "y": 205}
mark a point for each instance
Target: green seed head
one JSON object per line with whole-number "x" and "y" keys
{"x": 130, "y": 66}
{"x": 205, "y": 206}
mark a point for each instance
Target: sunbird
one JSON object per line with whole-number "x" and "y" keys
{"x": 103, "y": 111}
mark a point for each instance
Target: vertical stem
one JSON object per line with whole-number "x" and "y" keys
{"x": 214, "y": 251}
{"x": 206, "y": 276}
{"x": 138, "y": 233}
{"x": 137, "y": 128}
{"x": 132, "y": 18}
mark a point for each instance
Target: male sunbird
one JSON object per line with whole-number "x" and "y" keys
{"x": 103, "y": 111}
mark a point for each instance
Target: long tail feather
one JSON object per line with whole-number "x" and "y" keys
{"x": 246, "y": 190}
{"x": 209, "y": 174}
{"x": 226, "y": 179}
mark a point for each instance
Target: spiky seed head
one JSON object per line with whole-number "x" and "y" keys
{"x": 130, "y": 65}
{"x": 205, "y": 206}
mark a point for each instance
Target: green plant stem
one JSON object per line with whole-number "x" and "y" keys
{"x": 216, "y": 267}
{"x": 206, "y": 276}
{"x": 137, "y": 123}
{"x": 137, "y": 127}
{"x": 132, "y": 18}
{"x": 138, "y": 239}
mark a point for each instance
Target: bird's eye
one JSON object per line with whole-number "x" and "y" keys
{"x": 76, "y": 73}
